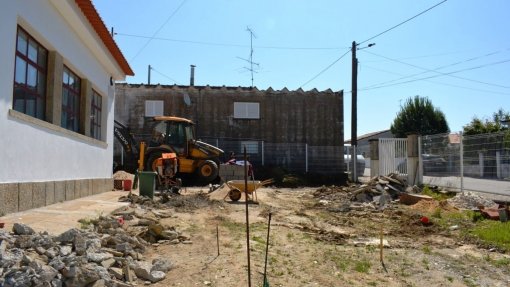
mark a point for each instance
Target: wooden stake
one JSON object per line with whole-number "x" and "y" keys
{"x": 381, "y": 248}
{"x": 267, "y": 251}
{"x": 218, "y": 239}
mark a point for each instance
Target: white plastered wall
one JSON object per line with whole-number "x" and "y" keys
{"x": 30, "y": 150}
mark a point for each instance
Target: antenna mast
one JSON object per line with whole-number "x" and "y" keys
{"x": 250, "y": 61}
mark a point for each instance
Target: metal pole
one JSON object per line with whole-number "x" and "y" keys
{"x": 498, "y": 165}
{"x": 247, "y": 217}
{"x": 354, "y": 111}
{"x": 420, "y": 162}
{"x": 461, "y": 163}
{"x": 306, "y": 158}
{"x": 262, "y": 153}
{"x": 149, "y": 75}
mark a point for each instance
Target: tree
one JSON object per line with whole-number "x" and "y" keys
{"x": 485, "y": 126}
{"x": 418, "y": 115}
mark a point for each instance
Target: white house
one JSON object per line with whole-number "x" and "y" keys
{"x": 57, "y": 83}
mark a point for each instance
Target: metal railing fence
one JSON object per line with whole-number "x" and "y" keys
{"x": 477, "y": 162}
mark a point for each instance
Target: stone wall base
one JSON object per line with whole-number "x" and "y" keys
{"x": 16, "y": 197}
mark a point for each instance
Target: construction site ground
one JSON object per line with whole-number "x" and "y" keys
{"x": 312, "y": 242}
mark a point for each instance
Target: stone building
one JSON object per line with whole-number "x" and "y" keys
{"x": 300, "y": 130}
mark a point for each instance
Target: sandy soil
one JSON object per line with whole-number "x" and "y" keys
{"x": 310, "y": 245}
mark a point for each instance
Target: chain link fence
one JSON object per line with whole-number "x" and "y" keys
{"x": 293, "y": 157}
{"x": 477, "y": 162}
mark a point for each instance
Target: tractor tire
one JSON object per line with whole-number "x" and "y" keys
{"x": 207, "y": 171}
{"x": 149, "y": 164}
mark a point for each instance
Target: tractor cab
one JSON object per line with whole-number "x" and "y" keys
{"x": 173, "y": 132}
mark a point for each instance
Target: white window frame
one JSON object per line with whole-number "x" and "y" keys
{"x": 252, "y": 147}
{"x": 246, "y": 110}
{"x": 154, "y": 108}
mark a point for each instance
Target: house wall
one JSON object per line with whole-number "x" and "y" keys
{"x": 313, "y": 117}
{"x": 289, "y": 121}
{"x": 35, "y": 151}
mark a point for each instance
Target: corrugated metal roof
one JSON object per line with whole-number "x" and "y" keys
{"x": 97, "y": 23}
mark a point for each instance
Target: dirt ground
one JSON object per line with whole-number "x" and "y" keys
{"x": 312, "y": 243}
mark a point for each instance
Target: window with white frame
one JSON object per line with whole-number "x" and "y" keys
{"x": 154, "y": 108}
{"x": 246, "y": 110}
{"x": 252, "y": 147}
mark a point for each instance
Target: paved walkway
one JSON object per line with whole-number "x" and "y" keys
{"x": 60, "y": 217}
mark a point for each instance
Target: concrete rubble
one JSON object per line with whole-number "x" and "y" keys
{"x": 375, "y": 194}
{"x": 469, "y": 200}
{"x": 107, "y": 251}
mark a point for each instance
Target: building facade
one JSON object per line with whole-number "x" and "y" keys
{"x": 57, "y": 90}
{"x": 278, "y": 127}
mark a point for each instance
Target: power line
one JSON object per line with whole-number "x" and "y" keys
{"x": 373, "y": 37}
{"x": 426, "y": 70}
{"x": 435, "y": 76}
{"x": 438, "y": 68}
{"x": 228, "y": 44}
{"x": 327, "y": 68}
{"x": 152, "y": 68}
{"x": 416, "y": 57}
{"x": 437, "y": 83}
{"x": 159, "y": 29}
{"x": 401, "y": 23}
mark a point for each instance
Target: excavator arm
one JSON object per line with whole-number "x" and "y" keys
{"x": 129, "y": 144}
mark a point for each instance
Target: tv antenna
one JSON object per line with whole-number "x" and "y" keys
{"x": 250, "y": 61}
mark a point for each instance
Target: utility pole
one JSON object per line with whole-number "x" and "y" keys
{"x": 149, "y": 76}
{"x": 354, "y": 112}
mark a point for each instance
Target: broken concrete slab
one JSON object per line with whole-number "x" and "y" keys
{"x": 370, "y": 242}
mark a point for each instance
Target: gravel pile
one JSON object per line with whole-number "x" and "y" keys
{"x": 468, "y": 200}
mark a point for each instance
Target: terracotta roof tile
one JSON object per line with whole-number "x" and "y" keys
{"x": 97, "y": 23}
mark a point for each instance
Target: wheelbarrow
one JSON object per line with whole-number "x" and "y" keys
{"x": 237, "y": 187}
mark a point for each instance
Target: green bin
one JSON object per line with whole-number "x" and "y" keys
{"x": 147, "y": 183}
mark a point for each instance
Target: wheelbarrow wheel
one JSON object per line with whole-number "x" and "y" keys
{"x": 234, "y": 194}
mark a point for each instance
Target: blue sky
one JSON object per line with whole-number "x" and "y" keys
{"x": 456, "y": 54}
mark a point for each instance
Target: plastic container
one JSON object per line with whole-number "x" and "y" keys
{"x": 127, "y": 184}
{"x": 147, "y": 180}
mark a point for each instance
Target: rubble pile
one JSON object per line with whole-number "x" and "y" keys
{"x": 108, "y": 252}
{"x": 378, "y": 191}
{"x": 165, "y": 200}
{"x": 121, "y": 175}
{"x": 469, "y": 200}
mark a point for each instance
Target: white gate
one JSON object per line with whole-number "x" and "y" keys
{"x": 392, "y": 156}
